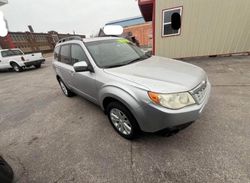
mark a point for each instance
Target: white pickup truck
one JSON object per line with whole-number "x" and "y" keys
{"x": 16, "y": 59}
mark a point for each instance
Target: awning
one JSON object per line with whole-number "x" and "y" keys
{"x": 146, "y": 7}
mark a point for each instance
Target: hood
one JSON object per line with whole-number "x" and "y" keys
{"x": 161, "y": 75}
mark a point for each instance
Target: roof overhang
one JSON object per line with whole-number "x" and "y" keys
{"x": 3, "y": 2}
{"x": 146, "y": 7}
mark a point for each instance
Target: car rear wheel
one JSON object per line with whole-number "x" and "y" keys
{"x": 16, "y": 67}
{"x": 37, "y": 66}
{"x": 122, "y": 120}
{"x": 65, "y": 89}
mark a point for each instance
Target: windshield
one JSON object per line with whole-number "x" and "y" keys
{"x": 115, "y": 52}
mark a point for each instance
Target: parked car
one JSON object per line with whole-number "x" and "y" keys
{"x": 16, "y": 59}
{"x": 136, "y": 91}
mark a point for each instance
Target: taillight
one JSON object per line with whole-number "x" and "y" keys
{"x": 22, "y": 58}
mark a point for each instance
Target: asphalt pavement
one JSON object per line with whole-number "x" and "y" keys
{"x": 49, "y": 138}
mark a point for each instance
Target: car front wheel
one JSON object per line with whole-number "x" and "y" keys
{"x": 65, "y": 89}
{"x": 16, "y": 67}
{"x": 122, "y": 120}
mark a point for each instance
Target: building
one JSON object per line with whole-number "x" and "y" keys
{"x": 142, "y": 32}
{"x": 136, "y": 26}
{"x": 32, "y": 42}
{"x": 208, "y": 27}
{"x": 3, "y": 2}
{"x": 128, "y": 21}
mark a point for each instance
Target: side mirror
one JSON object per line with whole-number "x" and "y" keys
{"x": 81, "y": 66}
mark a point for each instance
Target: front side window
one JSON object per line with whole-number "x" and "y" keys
{"x": 171, "y": 22}
{"x": 78, "y": 54}
{"x": 65, "y": 54}
{"x": 114, "y": 53}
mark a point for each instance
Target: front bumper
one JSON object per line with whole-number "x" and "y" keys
{"x": 153, "y": 118}
{"x": 35, "y": 62}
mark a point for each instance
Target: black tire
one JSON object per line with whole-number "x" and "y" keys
{"x": 16, "y": 67}
{"x": 134, "y": 125}
{"x": 66, "y": 91}
{"x": 37, "y": 66}
{"x": 6, "y": 172}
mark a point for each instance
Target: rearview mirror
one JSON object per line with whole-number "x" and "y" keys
{"x": 81, "y": 66}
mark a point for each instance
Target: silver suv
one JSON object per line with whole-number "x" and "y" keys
{"x": 135, "y": 90}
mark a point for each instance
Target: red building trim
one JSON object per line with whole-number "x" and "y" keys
{"x": 7, "y": 42}
{"x": 146, "y": 7}
{"x": 154, "y": 26}
{"x": 148, "y": 11}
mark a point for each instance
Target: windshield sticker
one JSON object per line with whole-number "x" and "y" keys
{"x": 123, "y": 41}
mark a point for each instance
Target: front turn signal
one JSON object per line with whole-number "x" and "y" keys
{"x": 154, "y": 97}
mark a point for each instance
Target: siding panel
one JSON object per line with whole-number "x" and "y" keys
{"x": 209, "y": 27}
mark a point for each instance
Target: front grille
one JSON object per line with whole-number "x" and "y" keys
{"x": 199, "y": 92}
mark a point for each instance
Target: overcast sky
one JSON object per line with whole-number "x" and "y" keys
{"x": 83, "y": 16}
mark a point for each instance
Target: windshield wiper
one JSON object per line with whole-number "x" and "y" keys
{"x": 136, "y": 60}
{"x": 127, "y": 63}
{"x": 112, "y": 66}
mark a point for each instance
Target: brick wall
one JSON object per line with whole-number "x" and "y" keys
{"x": 142, "y": 32}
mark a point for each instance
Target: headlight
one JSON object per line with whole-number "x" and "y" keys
{"x": 172, "y": 101}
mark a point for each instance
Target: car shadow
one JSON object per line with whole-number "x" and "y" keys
{"x": 32, "y": 68}
{"x": 168, "y": 132}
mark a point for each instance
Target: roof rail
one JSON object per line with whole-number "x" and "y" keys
{"x": 70, "y": 39}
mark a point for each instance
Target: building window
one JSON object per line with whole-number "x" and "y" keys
{"x": 170, "y": 22}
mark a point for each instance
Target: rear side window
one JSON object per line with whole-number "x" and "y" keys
{"x": 16, "y": 52}
{"x": 65, "y": 54}
{"x": 56, "y": 53}
{"x": 78, "y": 54}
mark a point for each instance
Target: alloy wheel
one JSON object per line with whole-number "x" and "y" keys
{"x": 120, "y": 121}
{"x": 64, "y": 89}
{"x": 16, "y": 68}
